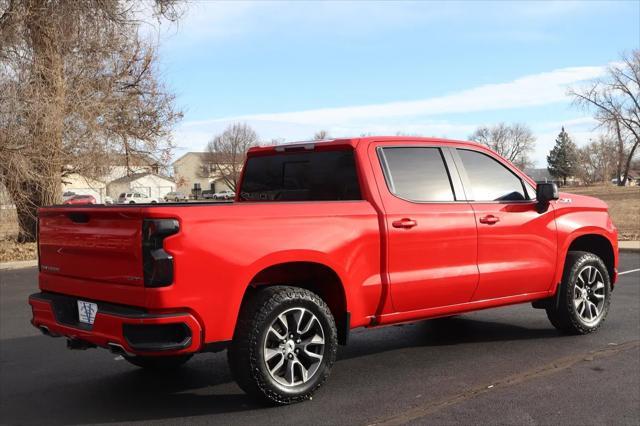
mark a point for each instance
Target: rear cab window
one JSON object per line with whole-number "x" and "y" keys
{"x": 417, "y": 174}
{"x": 329, "y": 175}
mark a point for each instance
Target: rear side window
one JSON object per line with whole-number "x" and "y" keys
{"x": 301, "y": 176}
{"x": 417, "y": 174}
{"x": 489, "y": 179}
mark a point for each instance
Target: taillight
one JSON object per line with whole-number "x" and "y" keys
{"x": 157, "y": 263}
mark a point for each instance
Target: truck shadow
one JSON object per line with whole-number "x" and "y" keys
{"x": 58, "y": 387}
{"x": 456, "y": 330}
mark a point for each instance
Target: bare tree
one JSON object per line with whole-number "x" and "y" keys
{"x": 321, "y": 135}
{"x": 77, "y": 83}
{"x": 226, "y": 153}
{"x": 615, "y": 101}
{"x": 597, "y": 161}
{"x": 514, "y": 142}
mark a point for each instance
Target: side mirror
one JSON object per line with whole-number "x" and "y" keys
{"x": 546, "y": 192}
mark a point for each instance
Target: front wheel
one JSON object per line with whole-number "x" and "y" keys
{"x": 158, "y": 362}
{"x": 584, "y": 297}
{"x": 284, "y": 345}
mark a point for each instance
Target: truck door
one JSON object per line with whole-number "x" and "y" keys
{"x": 517, "y": 245}
{"x": 431, "y": 230}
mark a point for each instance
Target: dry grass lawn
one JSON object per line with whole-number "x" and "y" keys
{"x": 10, "y": 250}
{"x": 624, "y": 206}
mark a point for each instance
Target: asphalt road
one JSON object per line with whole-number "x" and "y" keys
{"x": 505, "y": 365}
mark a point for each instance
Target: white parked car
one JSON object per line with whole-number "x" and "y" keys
{"x": 175, "y": 196}
{"x": 224, "y": 195}
{"x": 207, "y": 194}
{"x": 135, "y": 198}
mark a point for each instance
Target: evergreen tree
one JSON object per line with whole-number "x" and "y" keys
{"x": 562, "y": 161}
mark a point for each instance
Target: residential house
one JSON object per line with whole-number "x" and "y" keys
{"x": 633, "y": 178}
{"x": 135, "y": 172}
{"x": 79, "y": 184}
{"x": 149, "y": 184}
{"x": 121, "y": 165}
{"x": 194, "y": 174}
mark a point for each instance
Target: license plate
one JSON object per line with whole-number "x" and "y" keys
{"x": 87, "y": 311}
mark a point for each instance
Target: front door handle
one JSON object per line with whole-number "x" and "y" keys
{"x": 489, "y": 219}
{"x": 405, "y": 223}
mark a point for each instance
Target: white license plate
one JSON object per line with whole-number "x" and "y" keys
{"x": 87, "y": 312}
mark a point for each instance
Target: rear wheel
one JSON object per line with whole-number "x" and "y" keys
{"x": 158, "y": 362}
{"x": 584, "y": 296}
{"x": 284, "y": 345}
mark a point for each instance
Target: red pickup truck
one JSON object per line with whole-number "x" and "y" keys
{"x": 322, "y": 237}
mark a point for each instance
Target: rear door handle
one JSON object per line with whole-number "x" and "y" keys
{"x": 405, "y": 223}
{"x": 489, "y": 219}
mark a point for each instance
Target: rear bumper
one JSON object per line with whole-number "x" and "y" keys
{"x": 133, "y": 330}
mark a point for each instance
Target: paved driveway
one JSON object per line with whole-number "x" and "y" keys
{"x": 505, "y": 365}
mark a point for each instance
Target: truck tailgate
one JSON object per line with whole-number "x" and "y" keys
{"x": 97, "y": 244}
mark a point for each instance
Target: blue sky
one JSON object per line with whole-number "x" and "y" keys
{"x": 429, "y": 68}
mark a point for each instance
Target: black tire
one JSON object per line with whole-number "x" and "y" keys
{"x": 566, "y": 316}
{"x": 132, "y": 202}
{"x": 158, "y": 362}
{"x": 246, "y": 351}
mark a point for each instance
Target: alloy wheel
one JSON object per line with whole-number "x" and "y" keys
{"x": 589, "y": 295}
{"x": 293, "y": 347}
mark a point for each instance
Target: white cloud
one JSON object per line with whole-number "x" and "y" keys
{"x": 528, "y": 91}
{"x": 438, "y": 116}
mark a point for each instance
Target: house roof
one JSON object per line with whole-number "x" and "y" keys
{"x": 136, "y": 176}
{"x": 203, "y": 156}
{"x": 134, "y": 159}
{"x": 633, "y": 174}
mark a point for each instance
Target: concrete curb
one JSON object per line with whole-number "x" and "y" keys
{"x": 18, "y": 265}
{"x": 629, "y": 245}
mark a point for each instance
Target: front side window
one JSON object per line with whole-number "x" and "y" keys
{"x": 489, "y": 179}
{"x": 417, "y": 174}
{"x": 301, "y": 176}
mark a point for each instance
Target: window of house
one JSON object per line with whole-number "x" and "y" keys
{"x": 417, "y": 174}
{"x": 489, "y": 179}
